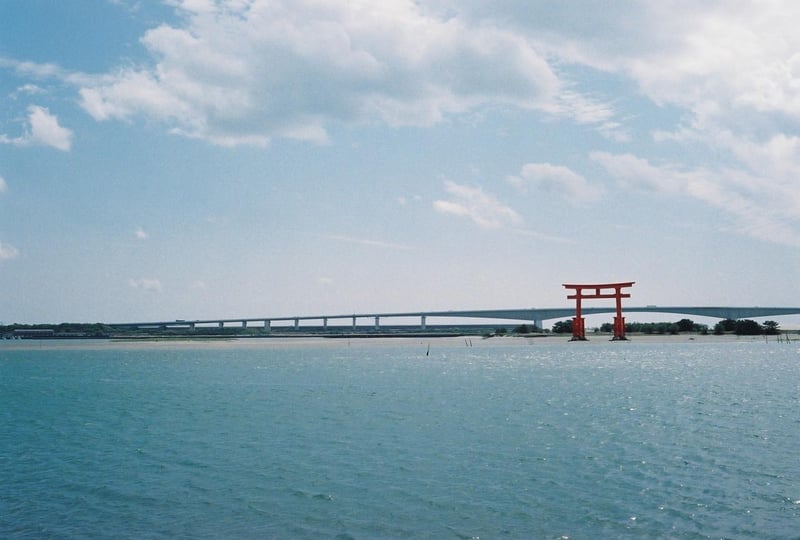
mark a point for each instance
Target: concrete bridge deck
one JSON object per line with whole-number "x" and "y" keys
{"x": 528, "y": 315}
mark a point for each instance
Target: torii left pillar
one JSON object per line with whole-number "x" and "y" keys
{"x": 599, "y": 291}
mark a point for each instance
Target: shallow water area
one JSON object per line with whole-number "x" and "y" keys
{"x": 408, "y": 438}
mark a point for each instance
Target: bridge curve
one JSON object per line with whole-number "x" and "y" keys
{"x": 535, "y": 315}
{"x": 718, "y": 312}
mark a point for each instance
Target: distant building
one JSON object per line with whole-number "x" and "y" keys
{"x": 34, "y": 333}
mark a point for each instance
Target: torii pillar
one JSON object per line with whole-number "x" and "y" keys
{"x": 578, "y": 329}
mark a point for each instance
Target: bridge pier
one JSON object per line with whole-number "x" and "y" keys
{"x": 539, "y": 324}
{"x": 221, "y": 324}
{"x": 377, "y": 322}
{"x": 267, "y": 325}
{"x": 354, "y": 322}
{"x": 423, "y": 322}
{"x": 297, "y": 324}
{"x": 325, "y": 323}
{"x": 244, "y": 324}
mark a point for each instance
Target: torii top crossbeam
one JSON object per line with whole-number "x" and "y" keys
{"x": 598, "y": 287}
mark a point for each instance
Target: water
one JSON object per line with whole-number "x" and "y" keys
{"x": 369, "y": 439}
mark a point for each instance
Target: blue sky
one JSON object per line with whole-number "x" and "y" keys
{"x": 246, "y": 158}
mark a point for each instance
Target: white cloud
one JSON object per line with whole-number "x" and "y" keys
{"x": 27, "y": 89}
{"x": 3, "y": 185}
{"x": 33, "y": 69}
{"x": 730, "y": 57}
{"x": 7, "y": 251}
{"x": 733, "y": 68}
{"x": 763, "y": 214}
{"x": 589, "y": 111}
{"x": 557, "y": 179}
{"x": 712, "y": 58}
{"x": 633, "y": 172}
{"x": 140, "y": 233}
{"x": 542, "y": 236}
{"x": 473, "y": 203}
{"x": 45, "y": 129}
{"x": 243, "y": 73}
{"x": 726, "y": 76}
{"x": 42, "y": 129}
{"x": 147, "y": 284}
{"x": 366, "y": 242}
{"x": 402, "y": 200}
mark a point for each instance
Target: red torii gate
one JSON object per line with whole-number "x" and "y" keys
{"x": 578, "y": 330}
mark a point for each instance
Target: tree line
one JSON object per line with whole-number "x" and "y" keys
{"x": 741, "y": 327}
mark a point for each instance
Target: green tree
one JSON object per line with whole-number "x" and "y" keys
{"x": 728, "y": 325}
{"x": 771, "y": 328}
{"x": 685, "y": 325}
{"x": 673, "y": 328}
{"x": 563, "y": 327}
{"x": 747, "y": 327}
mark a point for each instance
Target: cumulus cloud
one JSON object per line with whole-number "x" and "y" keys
{"x": 242, "y": 73}
{"x": 140, "y": 233}
{"x": 46, "y": 130}
{"x": 727, "y": 58}
{"x": 3, "y": 185}
{"x": 473, "y": 203}
{"x": 710, "y": 57}
{"x": 147, "y": 284}
{"x": 557, "y": 179}
{"x": 7, "y": 251}
{"x": 42, "y": 129}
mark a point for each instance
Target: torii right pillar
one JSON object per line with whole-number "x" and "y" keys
{"x": 598, "y": 291}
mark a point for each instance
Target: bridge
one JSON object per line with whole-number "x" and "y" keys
{"x": 536, "y": 316}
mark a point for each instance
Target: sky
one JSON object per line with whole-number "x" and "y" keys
{"x": 191, "y": 159}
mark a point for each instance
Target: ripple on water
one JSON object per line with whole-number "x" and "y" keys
{"x": 549, "y": 441}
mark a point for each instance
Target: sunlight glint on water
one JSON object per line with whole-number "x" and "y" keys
{"x": 376, "y": 440}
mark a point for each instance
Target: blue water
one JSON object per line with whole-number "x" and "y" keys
{"x": 372, "y": 440}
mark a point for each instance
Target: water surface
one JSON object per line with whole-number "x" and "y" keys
{"x": 334, "y": 439}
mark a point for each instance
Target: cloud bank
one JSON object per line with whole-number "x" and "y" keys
{"x": 245, "y": 72}
{"x": 725, "y": 76}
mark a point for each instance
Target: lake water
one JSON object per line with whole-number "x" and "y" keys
{"x": 390, "y": 439}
